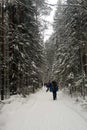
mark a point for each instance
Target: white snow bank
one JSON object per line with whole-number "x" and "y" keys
{"x": 40, "y": 112}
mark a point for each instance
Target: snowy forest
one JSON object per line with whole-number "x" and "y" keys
{"x": 26, "y": 61}
{"x": 43, "y": 64}
{"x": 21, "y": 48}
{"x": 66, "y": 49}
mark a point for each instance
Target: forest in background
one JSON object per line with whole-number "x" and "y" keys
{"x": 25, "y": 63}
{"x": 66, "y": 49}
{"x": 21, "y": 45}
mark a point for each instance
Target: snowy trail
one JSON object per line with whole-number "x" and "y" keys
{"x": 40, "y": 112}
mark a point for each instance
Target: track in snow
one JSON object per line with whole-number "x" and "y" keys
{"x": 40, "y": 112}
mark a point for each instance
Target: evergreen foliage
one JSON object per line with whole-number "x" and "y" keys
{"x": 25, "y": 46}
{"x": 70, "y": 34}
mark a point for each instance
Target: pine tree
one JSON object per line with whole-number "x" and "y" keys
{"x": 25, "y": 47}
{"x": 70, "y": 59}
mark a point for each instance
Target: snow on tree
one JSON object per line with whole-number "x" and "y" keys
{"x": 25, "y": 46}
{"x": 70, "y": 36}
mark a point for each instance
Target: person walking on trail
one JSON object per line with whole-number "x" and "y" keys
{"x": 54, "y": 89}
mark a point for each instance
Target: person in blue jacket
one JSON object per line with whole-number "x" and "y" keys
{"x": 54, "y": 89}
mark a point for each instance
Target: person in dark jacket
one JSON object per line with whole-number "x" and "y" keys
{"x": 54, "y": 89}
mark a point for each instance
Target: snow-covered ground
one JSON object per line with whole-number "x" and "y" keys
{"x": 40, "y": 112}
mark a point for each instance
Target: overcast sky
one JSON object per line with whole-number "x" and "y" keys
{"x": 49, "y": 31}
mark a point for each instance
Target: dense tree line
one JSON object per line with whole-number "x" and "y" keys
{"x": 21, "y": 46}
{"x": 70, "y": 36}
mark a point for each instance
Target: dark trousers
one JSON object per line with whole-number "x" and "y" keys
{"x": 54, "y": 95}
